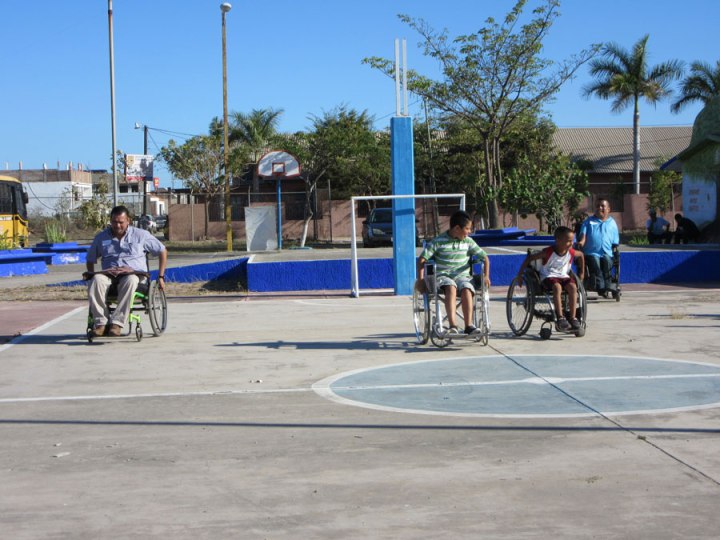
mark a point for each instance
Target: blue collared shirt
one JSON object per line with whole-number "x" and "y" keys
{"x": 600, "y": 236}
{"x": 127, "y": 251}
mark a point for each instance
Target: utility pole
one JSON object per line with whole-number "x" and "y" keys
{"x": 145, "y": 153}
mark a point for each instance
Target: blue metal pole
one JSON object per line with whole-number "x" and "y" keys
{"x": 279, "y": 216}
{"x": 403, "y": 183}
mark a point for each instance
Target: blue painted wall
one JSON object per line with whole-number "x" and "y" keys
{"x": 635, "y": 267}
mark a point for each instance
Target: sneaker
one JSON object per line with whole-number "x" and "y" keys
{"x": 99, "y": 330}
{"x": 115, "y": 330}
{"x": 575, "y": 324}
{"x": 563, "y": 325}
{"x": 453, "y": 331}
{"x": 470, "y": 330}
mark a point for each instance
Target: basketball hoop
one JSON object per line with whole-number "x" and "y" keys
{"x": 278, "y": 164}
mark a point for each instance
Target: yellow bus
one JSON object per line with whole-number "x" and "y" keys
{"x": 13, "y": 214}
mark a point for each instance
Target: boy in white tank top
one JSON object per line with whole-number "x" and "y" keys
{"x": 555, "y": 274}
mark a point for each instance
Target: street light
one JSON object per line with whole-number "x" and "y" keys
{"x": 112, "y": 102}
{"x": 145, "y": 153}
{"x": 224, "y": 8}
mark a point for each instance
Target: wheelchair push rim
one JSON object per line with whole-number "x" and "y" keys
{"x": 157, "y": 308}
{"x": 519, "y": 306}
{"x": 421, "y": 317}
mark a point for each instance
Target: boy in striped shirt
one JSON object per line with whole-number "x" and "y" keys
{"x": 453, "y": 252}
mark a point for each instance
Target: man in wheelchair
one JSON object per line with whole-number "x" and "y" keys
{"x": 453, "y": 252}
{"x": 123, "y": 250}
{"x": 598, "y": 239}
{"x": 556, "y": 264}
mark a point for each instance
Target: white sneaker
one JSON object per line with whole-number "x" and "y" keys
{"x": 453, "y": 331}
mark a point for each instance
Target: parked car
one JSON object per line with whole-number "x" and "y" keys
{"x": 160, "y": 221}
{"x": 148, "y": 223}
{"x": 378, "y": 228}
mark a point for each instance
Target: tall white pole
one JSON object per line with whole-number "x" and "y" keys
{"x": 397, "y": 77}
{"x": 404, "y": 77}
{"x": 112, "y": 102}
{"x": 224, "y": 8}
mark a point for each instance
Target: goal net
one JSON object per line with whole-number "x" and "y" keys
{"x": 354, "y": 275}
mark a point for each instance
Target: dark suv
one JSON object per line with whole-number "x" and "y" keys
{"x": 378, "y": 228}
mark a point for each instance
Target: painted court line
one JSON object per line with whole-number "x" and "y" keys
{"x": 41, "y": 328}
{"x": 156, "y": 395}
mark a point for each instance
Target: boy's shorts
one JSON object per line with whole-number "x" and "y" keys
{"x": 548, "y": 283}
{"x": 461, "y": 282}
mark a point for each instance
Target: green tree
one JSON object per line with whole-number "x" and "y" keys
{"x": 702, "y": 84}
{"x": 198, "y": 163}
{"x": 625, "y": 77}
{"x": 551, "y": 186}
{"x": 347, "y": 151}
{"x": 491, "y": 78}
{"x": 256, "y": 130}
{"x": 662, "y": 188}
{"x": 95, "y": 212}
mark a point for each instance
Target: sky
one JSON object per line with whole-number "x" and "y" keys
{"x": 301, "y": 56}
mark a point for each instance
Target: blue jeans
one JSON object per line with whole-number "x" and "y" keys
{"x": 599, "y": 270}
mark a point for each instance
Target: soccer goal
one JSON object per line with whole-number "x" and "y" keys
{"x": 354, "y": 276}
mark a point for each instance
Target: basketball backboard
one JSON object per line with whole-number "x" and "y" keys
{"x": 278, "y": 164}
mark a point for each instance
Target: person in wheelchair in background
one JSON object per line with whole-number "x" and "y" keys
{"x": 597, "y": 237}
{"x": 123, "y": 250}
{"x": 453, "y": 252}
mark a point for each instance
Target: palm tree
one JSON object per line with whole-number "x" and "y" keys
{"x": 702, "y": 84}
{"x": 255, "y": 130}
{"x": 625, "y": 77}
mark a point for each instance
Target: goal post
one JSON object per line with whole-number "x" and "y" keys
{"x": 354, "y": 276}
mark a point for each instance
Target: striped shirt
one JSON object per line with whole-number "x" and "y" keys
{"x": 451, "y": 255}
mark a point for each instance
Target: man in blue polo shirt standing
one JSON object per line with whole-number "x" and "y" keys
{"x": 122, "y": 249}
{"x": 598, "y": 234}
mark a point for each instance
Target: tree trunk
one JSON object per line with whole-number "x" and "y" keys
{"x": 308, "y": 211}
{"x": 636, "y": 146}
{"x": 492, "y": 205}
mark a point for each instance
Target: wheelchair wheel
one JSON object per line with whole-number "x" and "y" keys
{"x": 545, "y": 332}
{"x": 157, "y": 308}
{"x": 482, "y": 314}
{"x": 438, "y": 340}
{"x": 437, "y": 335}
{"x": 581, "y": 310}
{"x": 421, "y": 317}
{"x": 519, "y": 306}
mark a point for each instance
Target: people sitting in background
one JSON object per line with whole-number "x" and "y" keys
{"x": 686, "y": 230}
{"x": 555, "y": 275}
{"x": 658, "y": 229}
{"x": 598, "y": 234}
{"x": 122, "y": 249}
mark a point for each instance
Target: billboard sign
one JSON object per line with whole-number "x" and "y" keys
{"x": 139, "y": 167}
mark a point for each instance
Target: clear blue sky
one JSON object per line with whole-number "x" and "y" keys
{"x": 302, "y": 56}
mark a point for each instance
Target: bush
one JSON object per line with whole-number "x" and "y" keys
{"x": 55, "y": 232}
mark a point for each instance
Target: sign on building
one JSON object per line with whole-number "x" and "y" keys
{"x": 138, "y": 168}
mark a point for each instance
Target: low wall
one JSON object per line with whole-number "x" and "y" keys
{"x": 635, "y": 267}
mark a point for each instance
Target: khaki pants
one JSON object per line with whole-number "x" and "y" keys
{"x": 97, "y": 293}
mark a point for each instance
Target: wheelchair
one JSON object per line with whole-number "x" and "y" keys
{"x": 430, "y": 319}
{"x": 148, "y": 298}
{"x": 615, "y": 291}
{"x": 531, "y": 300}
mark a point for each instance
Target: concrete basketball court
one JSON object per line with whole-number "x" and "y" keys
{"x": 318, "y": 416}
